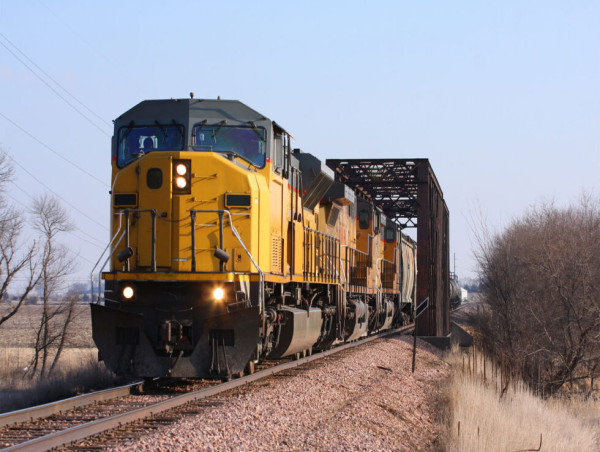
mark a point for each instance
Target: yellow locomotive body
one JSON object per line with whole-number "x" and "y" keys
{"x": 228, "y": 247}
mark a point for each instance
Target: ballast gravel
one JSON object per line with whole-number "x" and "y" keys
{"x": 366, "y": 400}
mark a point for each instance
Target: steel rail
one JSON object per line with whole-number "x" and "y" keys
{"x": 48, "y": 409}
{"x": 83, "y": 431}
{"x": 465, "y": 304}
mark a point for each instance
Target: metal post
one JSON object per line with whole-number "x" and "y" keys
{"x": 193, "y": 217}
{"x": 414, "y": 345}
{"x": 153, "y": 213}
{"x": 221, "y": 263}
{"x": 126, "y": 237}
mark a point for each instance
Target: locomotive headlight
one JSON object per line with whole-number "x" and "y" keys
{"x": 181, "y": 169}
{"x": 182, "y": 176}
{"x": 218, "y": 293}
{"x": 128, "y": 292}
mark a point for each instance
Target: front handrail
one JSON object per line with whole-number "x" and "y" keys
{"x": 106, "y": 261}
{"x": 261, "y": 274}
{"x": 110, "y": 244}
{"x": 193, "y": 213}
{"x": 153, "y": 244}
{"x": 125, "y": 213}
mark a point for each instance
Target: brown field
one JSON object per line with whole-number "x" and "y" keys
{"x": 20, "y": 330}
{"x": 77, "y": 370}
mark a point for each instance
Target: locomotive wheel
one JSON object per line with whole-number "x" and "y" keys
{"x": 249, "y": 370}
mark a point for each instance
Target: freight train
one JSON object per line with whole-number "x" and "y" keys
{"x": 229, "y": 247}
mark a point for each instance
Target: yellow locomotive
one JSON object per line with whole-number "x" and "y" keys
{"x": 229, "y": 247}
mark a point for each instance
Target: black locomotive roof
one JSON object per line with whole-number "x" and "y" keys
{"x": 191, "y": 111}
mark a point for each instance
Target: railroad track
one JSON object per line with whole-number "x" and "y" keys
{"x": 92, "y": 414}
{"x": 49, "y": 409}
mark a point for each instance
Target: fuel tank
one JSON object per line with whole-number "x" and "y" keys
{"x": 299, "y": 329}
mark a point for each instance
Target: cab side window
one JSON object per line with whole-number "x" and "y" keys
{"x": 390, "y": 235}
{"x": 363, "y": 219}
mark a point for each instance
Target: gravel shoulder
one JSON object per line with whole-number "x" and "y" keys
{"x": 367, "y": 399}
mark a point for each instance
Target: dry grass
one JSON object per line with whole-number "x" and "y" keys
{"x": 77, "y": 371}
{"x": 516, "y": 420}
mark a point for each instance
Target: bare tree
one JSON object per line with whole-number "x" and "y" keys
{"x": 50, "y": 219}
{"x": 15, "y": 259}
{"x": 541, "y": 287}
{"x": 43, "y": 263}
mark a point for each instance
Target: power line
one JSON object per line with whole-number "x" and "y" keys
{"x": 77, "y": 34}
{"x": 79, "y": 256}
{"x": 98, "y": 244}
{"x": 53, "y": 192}
{"x": 50, "y": 87}
{"x": 52, "y": 150}
{"x": 56, "y": 83}
{"x": 125, "y": 77}
{"x": 68, "y": 232}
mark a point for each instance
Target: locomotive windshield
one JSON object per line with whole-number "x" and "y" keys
{"x": 246, "y": 142}
{"x": 139, "y": 140}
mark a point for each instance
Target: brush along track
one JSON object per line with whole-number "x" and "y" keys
{"x": 98, "y": 418}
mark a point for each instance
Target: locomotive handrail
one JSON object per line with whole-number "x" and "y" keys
{"x": 110, "y": 244}
{"x": 233, "y": 229}
{"x": 368, "y": 252}
{"x": 104, "y": 265}
{"x": 306, "y": 228}
{"x": 330, "y": 266}
{"x": 342, "y": 267}
{"x": 358, "y": 252}
{"x": 261, "y": 276}
{"x": 125, "y": 213}
{"x": 153, "y": 244}
{"x": 383, "y": 259}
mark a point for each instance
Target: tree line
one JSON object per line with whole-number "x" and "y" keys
{"x": 540, "y": 285}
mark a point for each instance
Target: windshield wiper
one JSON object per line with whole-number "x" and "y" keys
{"x": 199, "y": 127}
{"x": 221, "y": 124}
{"x": 256, "y": 131}
{"x": 128, "y": 130}
{"x": 162, "y": 129}
{"x": 195, "y": 131}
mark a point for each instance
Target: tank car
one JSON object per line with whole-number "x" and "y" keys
{"x": 455, "y": 291}
{"x": 229, "y": 247}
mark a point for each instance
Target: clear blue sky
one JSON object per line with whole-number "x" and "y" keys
{"x": 502, "y": 98}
